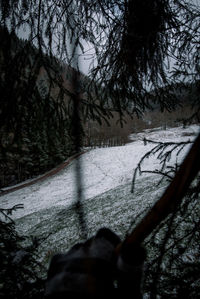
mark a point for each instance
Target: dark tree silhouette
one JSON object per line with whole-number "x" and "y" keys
{"x": 132, "y": 41}
{"x": 139, "y": 49}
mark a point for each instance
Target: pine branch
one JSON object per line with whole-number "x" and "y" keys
{"x": 171, "y": 197}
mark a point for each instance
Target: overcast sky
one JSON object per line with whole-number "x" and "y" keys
{"x": 84, "y": 60}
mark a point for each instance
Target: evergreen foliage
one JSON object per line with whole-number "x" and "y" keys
{"x": 139, "y": 46}
{"x": 172, "y": 268}
{"x": 19, "y": 263}
{"x": 34, "y": 123}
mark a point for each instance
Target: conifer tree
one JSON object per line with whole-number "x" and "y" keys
{"x": 140, "y": 48}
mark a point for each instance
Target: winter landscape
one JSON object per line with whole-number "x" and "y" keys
{"x": 49, "y": 206}
{"x": 99, "y": 106}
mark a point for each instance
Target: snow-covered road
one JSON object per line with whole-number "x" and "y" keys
{"x": 49, "y": 212}
{"x": 102, "y": 169}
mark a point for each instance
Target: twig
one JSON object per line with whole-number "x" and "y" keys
{"x": 171, "y": 197}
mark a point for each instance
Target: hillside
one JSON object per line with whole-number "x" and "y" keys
{"x": 185, "y": 98}
{"x": 35, "y": 119}
{"x": 107, "y": 176}
{"x": 36, "y": 112}
{"x": 49, "y": 218}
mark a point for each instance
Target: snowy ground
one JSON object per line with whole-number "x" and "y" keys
{"x": 107, "y": 174}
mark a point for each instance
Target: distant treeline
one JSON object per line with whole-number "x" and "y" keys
{"x": 36, "y": 112}
{"x": 186, "y": 111}
{"x": 34, "y": 124}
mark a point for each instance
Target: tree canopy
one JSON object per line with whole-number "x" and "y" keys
{"x": 138, "y": 46}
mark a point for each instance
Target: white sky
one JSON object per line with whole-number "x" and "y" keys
{"x": 85, "y": 60}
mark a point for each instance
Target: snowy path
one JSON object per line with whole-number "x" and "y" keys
{"x": 107, "y": 175}
{"x": 102, "y": 169}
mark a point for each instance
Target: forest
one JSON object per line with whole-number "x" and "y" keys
{"x": 143, "y": 73}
